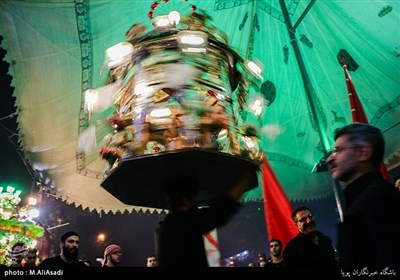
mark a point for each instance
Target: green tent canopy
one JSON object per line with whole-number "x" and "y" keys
{"x": 56, "y": 50}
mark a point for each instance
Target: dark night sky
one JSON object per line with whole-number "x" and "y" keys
{"x": 12, "y": 166}
{"x": 134, "y": 232}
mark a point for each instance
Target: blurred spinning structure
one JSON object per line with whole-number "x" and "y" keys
{"x": 177, "y": 92}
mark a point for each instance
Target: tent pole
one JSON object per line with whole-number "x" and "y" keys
{"x": 309, "y": 93}
{"x": 303, "y": 14}
{"x": 249, "y": 52}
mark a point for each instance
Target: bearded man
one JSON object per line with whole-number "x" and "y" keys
{"x": 310, "y": 251}
{"x": 112, "y": 256}
{"x": 68, "y": 257}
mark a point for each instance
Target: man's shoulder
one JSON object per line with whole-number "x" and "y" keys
{"x": 321, "y": 234}
{"x": 292, "y": 242}
{"x": 381, "y": 189}
{"x": 50, "y": 260}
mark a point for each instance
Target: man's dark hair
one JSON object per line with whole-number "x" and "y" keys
{"x": 178, "y": 188}
{"x": 365, "y": 134}
{"x": 20, "y": 244}
{"x": 277, "y": 241}
{"x": 298, "y": 209}
{"x": 262, "y": 255}
{"x": 33, "y": 250}
{"x": 68, "y": 234}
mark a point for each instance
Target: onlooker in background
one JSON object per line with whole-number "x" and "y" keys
{"x": 18, "y": 252}
{"x": 151, "y": 261}
{"x": 397, "y": 184}
{"x": 31, "y": 258}
{"x": 369, "y": 235}
{"x": 310, "y": 249}
{"x": 68, "y": 257}
{"x": 179, "y": 238}
{"x": 262, "y": 262}
{"x": 262, "y": 259}
{"x": 112, "y": 256}
{"x": 275, "y": 261}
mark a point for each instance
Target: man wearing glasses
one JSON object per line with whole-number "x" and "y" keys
{"x": 310, "y": 251}
{"x": 369, "y": 236}
{"x": 112, "y": 256}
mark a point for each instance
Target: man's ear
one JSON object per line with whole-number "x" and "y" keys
{"x": 366, "y": 153}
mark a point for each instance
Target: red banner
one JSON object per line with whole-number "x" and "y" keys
{"x": 357, "y": 111}
{"x": 277, "y": 208}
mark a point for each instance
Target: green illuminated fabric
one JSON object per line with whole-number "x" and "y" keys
{"x": 56, "y": 51}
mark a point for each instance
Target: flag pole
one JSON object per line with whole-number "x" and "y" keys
{"x": 357, "y": 111}
{"x": 316, "y": 122}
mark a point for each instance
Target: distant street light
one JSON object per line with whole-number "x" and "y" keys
{"x": 101, "y": 238}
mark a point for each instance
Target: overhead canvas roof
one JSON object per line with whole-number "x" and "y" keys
{"x": 56, "y": 52}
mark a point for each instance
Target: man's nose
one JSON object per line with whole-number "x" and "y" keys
{"x": 329, "y": 158}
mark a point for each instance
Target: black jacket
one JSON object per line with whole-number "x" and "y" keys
{"x": 302, "y": 253}
{"x": 370, "y": 233}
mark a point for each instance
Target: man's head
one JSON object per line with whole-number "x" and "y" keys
{"x": 262, "y": 256}
{"x": 112, "y": 255}
{"x": 262, "y": 263}
{"x": 181, "y": 192}
{"x": 18, "y": 251}
{"x": 275, "y": 247}
{"x": 69, "y": 245}
{"x": 397, "y": 184}
{"x": 151, "y": 261}
{"x": 31, "y": 258}
{"x": 304, "y": 220}
{"x": 358, "y": 149}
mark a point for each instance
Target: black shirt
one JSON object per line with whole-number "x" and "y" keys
{"x": 301, "y": 252}
{"x": 57, "y": 262}
{"x": 370, "y": 233}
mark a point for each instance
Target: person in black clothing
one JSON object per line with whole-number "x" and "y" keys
{"x": 309, "y": 251}
{"x": 69, "y": 253}
{"x": 369, "y": 235}
{"x": 275, "y": 262}
{"x": 179, "y": 238}
{"x": 31, "y": 258}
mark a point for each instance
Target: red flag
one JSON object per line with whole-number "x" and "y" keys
{"x": 357, "y": 111}
{"x": 212, "y": 248}
{"x": 277, "y": 208}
